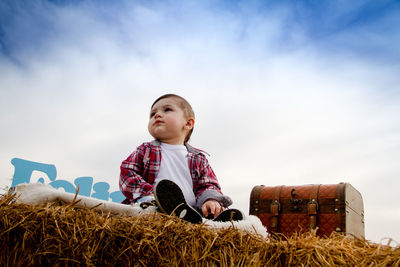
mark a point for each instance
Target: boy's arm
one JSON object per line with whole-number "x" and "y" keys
{"x": 131, "y": 182}
{"x": 207, "y": 186}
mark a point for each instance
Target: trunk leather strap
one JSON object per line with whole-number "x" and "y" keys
{"x": 275, "y": 208}
{"x": 339, "y": 200}
{"x": 255, "y": 199}
{"x": 313, "y": 206}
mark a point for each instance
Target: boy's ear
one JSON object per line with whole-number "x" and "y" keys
{"x": 189, "y": 124}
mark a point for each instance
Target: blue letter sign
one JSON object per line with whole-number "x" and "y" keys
{"x": 24, "y": 169}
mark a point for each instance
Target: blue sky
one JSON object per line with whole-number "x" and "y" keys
{"x": 284, "y": 92}
{"x": 359, "y": 28}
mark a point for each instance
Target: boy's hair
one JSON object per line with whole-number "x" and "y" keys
{"x": 184, "y": 105}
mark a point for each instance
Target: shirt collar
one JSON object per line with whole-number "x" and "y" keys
{"x": 189, "y": 147}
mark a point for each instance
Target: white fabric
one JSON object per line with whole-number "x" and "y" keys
{"x": 175, "y": 167}
{"x": 36, "y": 194}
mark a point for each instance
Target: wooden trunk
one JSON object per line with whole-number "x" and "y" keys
{"x": 297, "y": 209}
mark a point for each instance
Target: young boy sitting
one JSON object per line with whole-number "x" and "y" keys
{"x": 172, "y": 173}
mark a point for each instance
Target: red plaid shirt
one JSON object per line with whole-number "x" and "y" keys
{"x": 140, "y": 169}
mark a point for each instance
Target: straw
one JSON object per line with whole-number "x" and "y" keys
{"x": 58, "y": 234}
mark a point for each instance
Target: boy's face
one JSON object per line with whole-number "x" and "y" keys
{"x": 168, "y": 122}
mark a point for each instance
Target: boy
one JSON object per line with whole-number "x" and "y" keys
{"x": 171, "y": 172}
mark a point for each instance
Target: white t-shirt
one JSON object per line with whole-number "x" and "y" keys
{"x": 175, "y": 167}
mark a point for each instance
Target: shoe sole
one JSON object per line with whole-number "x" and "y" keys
{"x": 229, "y": 215}
{"x": 187, "y": 213}
{"x": 170, "y": 200}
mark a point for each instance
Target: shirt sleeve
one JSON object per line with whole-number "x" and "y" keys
{"x": 131, "y": 181}
{"x": 207, "y": 186}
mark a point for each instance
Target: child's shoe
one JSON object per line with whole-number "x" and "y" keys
{"x": 170, "y": 199}
{"x": 145, "y": 204}
{"x": 229, "y": 215}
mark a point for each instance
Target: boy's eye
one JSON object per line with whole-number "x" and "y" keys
{"x": 152, "y": 114}
{"x": 168, "y": 109}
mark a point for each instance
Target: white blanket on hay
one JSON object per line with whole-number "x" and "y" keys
{"x": 35, "y": 194}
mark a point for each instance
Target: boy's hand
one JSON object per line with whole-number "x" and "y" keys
{"x": 211, "y": 208}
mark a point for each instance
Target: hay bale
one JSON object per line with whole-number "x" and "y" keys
{"x": 63, "y": 234}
